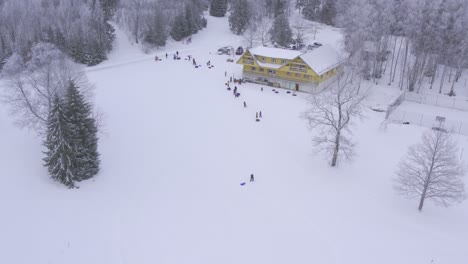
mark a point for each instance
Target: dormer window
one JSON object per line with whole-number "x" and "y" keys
{"x": 273, "y": 60}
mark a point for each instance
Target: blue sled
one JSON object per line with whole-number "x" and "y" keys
{"x": 242, "y": 183}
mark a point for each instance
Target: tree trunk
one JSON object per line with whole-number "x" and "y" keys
{"x": 396, "y": 61}
{"x": 335, "y": 151}
{"x": 423, "y": 197}
{"x": 404, "y": 65}
{"x": 421, "y": 202}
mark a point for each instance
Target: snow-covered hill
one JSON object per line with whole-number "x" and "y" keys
{"x": 177, "y": 147}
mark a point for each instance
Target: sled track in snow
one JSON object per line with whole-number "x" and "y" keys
{"x": 125, "y": 63}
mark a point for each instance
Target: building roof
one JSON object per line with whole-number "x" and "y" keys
{"x": 322, "y": 59}
{"x": 275, "y": 52}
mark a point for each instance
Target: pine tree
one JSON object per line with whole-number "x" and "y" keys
{"x": 218, "y": 8}
{"x": 60, "y": 157}
{"x": 281, "y": 32}
{"x": 311, "y": 10}
{"x": 157, "y": 33}
{"x": 84, "y": 132}
{"x": 179, "y": 28}
{"x": 328, "y": 14}
{"x": 240, "y": 17}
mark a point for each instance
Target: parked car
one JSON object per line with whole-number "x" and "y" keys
{"x": 224, "y": 50}
{"x": 313, "y": 46}
{"x": 239, "y": 50}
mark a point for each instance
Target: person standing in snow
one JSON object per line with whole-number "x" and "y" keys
{"x": 177, "y": 53}
{"x": 260, "y": 114}
{"x": 256, "y": 115}
{"x": 262, "y": 89}
{"x": 166, "y": 55}
{"x": 225, "y": 73}
{"x": 245, "y": 105}
{"x": 251, "y": 177}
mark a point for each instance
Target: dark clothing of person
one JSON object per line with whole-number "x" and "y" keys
{"x": 260, "y": 114}
{"x": 251, "y": 177}
{"x": 245, "y": 105}
{"x": 256, "y": 115}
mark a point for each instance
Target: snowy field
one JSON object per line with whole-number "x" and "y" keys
{"x": 176, "y": 148}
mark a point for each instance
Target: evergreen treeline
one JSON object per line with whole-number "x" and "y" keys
{"x": 323, "y": 11}
{"x": 81, "y": 29}
{"x": 71, "y": 139}
{"x": 218, "y": 8}
{"x": 152, "y": 22}
{"x": 240, "y": 16}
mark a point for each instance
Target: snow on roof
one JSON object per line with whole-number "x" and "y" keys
{"x": 322, "y": 59}
{"x": 275, "y": 52}
{"x": 269, "y": 65}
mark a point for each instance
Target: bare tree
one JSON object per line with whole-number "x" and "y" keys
{"x": 332, "y": 112}
{"x": 32, "y": 85}
{"x": 299, "y": 33}
{"x": 264, "y": 29}
{"x": 251, "y": 35}
{"x": 431, "y": 171}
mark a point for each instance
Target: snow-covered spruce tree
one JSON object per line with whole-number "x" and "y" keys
{"x": 240, "y": 16}
{"x": 275, "y": 8}
{"x": 431, "y": 171}
{"x": 156, "y": 34}
{"x": 179, "y": 28}
{"x": 328, "y": 13}
{"x": 84, "y": 132}
{"x": 281, "y": 32}
{"x": 60, "y": 157}
{"x": 311, "y": 10}
{"x": 218, "y": 8}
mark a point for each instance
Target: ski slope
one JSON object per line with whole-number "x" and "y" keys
{"x": 176, "y": 147}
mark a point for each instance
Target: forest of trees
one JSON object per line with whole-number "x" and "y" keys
{"x": 406, "y": 41}
{"x": 81, "y": 29}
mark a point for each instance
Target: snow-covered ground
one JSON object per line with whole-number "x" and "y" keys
{"x": 177, "y": 147}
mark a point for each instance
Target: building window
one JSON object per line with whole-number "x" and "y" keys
{"x": 288, "y": 73}
{"x": 262, "y": 59}
{"x": 273, "y": 60}
{"x": 261, "y": 69}
{"x": 298, "y": 75}
{"x": 298, "y": 67}
{"x": 248, "y": 60}
{"x": 306, "y": 76}
{"x": 283, "y": 61}
{"x": 253, "y": 68}
{"x": 271, "y": 71}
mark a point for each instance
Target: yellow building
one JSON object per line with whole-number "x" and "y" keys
{"x": 291, "y": 69}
